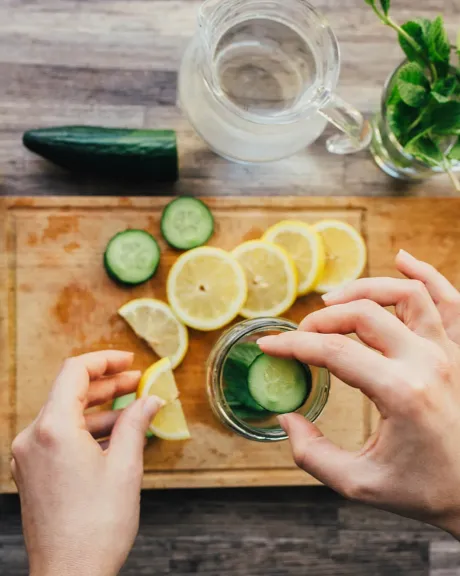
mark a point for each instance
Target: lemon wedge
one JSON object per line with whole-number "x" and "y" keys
{"x": 206, "y": 288}
{"x": 155, "y": 322}
{"x": 346, "y": 254}
{"x": 169, "y": 423}
{"x": 271, "y": 276}
{"x": 306, "y": 248}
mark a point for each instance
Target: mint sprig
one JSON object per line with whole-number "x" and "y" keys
{"x": 423, "y": 108}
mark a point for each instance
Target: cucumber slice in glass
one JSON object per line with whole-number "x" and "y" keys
{"x": 278, "y": 385}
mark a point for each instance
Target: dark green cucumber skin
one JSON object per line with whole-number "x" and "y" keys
{"x": 236, "y": 370}
{"x": 123, "y": 402}
{"x": 164, "y": 231}
{"x": 131, "y": 154}
{"x": 115, "y": 278}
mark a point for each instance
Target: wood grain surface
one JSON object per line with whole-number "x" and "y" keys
{"x": 72, "y": 309}
{"x": 114, "y": 63}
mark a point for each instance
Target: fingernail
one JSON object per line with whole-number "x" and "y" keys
{"x": 134, "y": 374}
{"x": 331, "y": 296}
{"x": 283, "y": 422}
{"x": 406, "y": 254}
{"x": 152, "y": 405}
{"x": 265, "y": 340}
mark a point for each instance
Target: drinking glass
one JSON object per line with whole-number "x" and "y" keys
{"x": 265, "y": 428}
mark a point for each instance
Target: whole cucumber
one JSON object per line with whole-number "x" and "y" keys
{"x": 120, "y": 152}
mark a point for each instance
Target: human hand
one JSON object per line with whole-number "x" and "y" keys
{"x": 411, "y": 370}
{"x": 80, "y": 498}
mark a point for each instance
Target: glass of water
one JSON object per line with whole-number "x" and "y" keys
{"x": 257, "y": 81}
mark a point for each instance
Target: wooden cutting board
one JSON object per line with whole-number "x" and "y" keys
{"x": 56, "y": 301}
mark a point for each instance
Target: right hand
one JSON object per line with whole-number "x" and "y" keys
{"x": 410, "y": 369}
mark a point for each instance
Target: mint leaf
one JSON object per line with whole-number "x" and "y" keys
{"x": 418, "y": 31}
{"x": 400, "y": 117}
{"x": 446, "y": 118}
{"x": 412, "y": 85}
{"x": 426, "y": 150}
{"x": 454, "y": 154}
{"x": 443, "y": 89}
{"x": 385, "y": 4}
{"x": 438, "y": 41}
{"x": 370, "y": 2}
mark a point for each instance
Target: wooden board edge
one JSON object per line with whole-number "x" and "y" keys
{"x": 228, "y": 479}
{"x": 5, "y": 364}
{"x": 372, "y": 204}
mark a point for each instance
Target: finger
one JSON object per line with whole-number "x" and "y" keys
{"x": 128, "y": 436}
{"x": 318, "y": 456}
{"x": 444, "y": 295}
{"x": 374, "y": 325}
{"x": 412, "y": 301}
{"x": 100, "y": 424}
{"x": 68, "y": 395}
{"x": 440, "y": 289}
{"x": 14, "y": 470}
{"x": 110, "y": 387}
{"x": 347, "y": 359}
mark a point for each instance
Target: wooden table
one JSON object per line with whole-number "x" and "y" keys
{"x": 114, "y": 63}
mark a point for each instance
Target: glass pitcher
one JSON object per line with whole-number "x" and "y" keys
{"x": 257, "y": 81}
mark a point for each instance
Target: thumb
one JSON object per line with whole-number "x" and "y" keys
{"x": 128, "y": 435}
{"x": 317, "y": 455}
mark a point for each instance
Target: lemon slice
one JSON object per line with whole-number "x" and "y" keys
{"x": 306, "y": 248}
{"x": 170, "y": 423}
{"x": 158, "y": 380}
{"x": 206, "y": 288}
{"x": 271, "y": 276}
{"x": 346, "y": 254}
{"x": 155, "y": 322}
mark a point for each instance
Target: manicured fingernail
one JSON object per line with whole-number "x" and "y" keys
{"x": 283, "y": 422}
{"x": 152, "y": 405}
{"x": 331, "y": 296}
{"x": 406, "y": 254}
{"x": 265, "y": 340}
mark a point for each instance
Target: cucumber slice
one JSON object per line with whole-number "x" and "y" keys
{"x": 132, "y": 257}
{"x": 187, "y": 223}
{"x": 123, "y": 402}
{"x": 278, "y": 385}
{"x": 236, "y": 371}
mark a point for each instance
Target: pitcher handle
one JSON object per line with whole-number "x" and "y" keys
{"x": 356, "y": 130}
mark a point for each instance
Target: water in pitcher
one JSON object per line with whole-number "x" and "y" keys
{"x": 259, "y": 73}
{"x": 264, "y": 66}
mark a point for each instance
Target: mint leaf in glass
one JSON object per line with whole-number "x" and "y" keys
{"x": 412, "y": 85}
{"x": 438, "y": 41}
{"x": 418, "y": 30}
{"x": 446, "y": 119}
{"x": 443, "y": 89}
{"x": 426, "y": 150}
{"x": 454, "y": 154}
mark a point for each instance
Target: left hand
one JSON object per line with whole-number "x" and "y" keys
{"x": 80, "y": 498}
